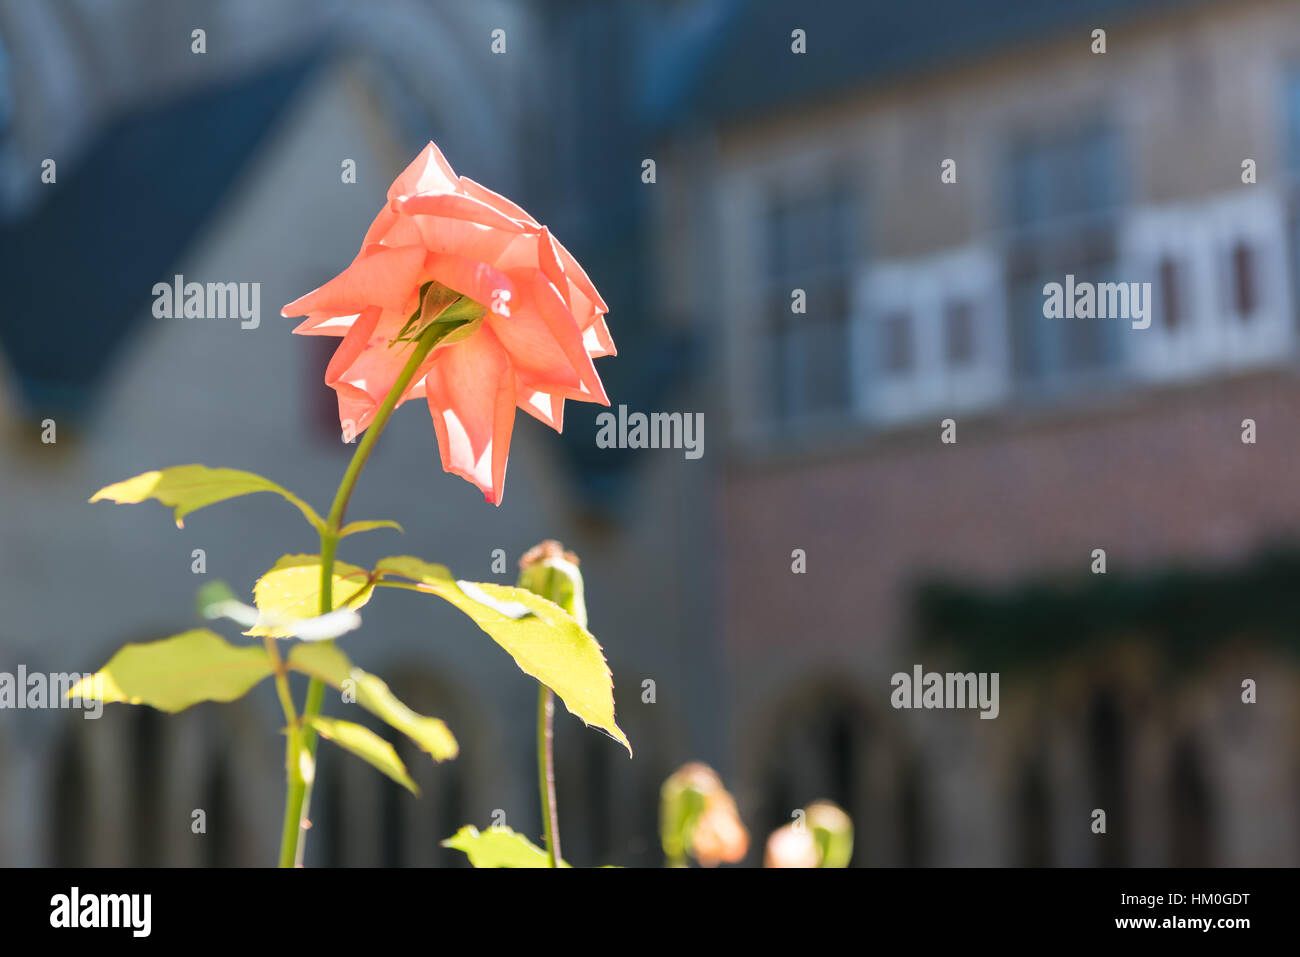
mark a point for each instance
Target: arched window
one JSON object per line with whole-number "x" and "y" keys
{"x": 86, "y": 802}
{"x": 1107, "y": 764}
{"x": 819, "y": 748}
{"x": 360, "y": 817}
{"x": 1033, "y": 814}
{"x": 1190, "y": 835}
{"x": 608, "y": 805}
{"x": 69, "y": 822}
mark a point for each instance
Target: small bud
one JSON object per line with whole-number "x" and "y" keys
{"x": 698, "y": 817}
{"x": 791, "y": 846}
{"x": 548, "y": 570}
{"x": 832, "y": 831}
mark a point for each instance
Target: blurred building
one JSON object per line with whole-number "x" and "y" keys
{"x": 229, "y": 165}
{"x": 821, "y": 174}
{"x": 827, "y": 539}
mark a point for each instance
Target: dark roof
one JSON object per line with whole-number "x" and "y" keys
{"x": 78, "y": 269}
{"x": 746, "y": 67}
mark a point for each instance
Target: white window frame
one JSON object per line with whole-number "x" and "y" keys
{"x": 1258, "y": 220}
{"x": 1200, "y": 238}
{"x": 923, "y": 289}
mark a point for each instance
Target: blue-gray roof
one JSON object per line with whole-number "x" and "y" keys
{"x": 78, "y": 269}
{"x": 745, "y": 66}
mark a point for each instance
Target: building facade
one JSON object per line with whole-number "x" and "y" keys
{"x": 901, "y": 412}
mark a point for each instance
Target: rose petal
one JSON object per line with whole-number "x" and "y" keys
{"x": 471, "y": 394}
{"x": 541, "y": 367}
{"x": 325, "y": 326}
{"x": 541, "y": 405}
{"x": 388, "y": 277}
{"x": 498, "y": 202}
{"x": 455, "y": 206}
{"x": 597, "y": 339}
{"x": 472, "y": 278}
{"x": 428, "y": 173}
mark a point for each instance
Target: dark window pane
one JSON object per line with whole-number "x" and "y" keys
{"x": 1245, "y": 292}
{"x": 820, "y": 371}
{"x": 896, "y": 333}
{"x": 959, "y": 333}
{"x": 1028, "y": 334}
{"x": 1063, "y": 192}
{"x": 1171, "y": 302}
{"x": 1293, "y": 119}
{"x": 804, "y": 367}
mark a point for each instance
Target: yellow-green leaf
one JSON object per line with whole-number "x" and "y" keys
{"x": 216, "y": 600}
{"x": 366, "y": 745}
{"x": 541, "y": 636}
{"x": 351, "y": 528}
{"x": 498, "y": 846}
{"x": 332, "y": 666}
{"x": 177, "y": 672}
{"x": 187, "y": 488}
{"x": 290, "y": 592}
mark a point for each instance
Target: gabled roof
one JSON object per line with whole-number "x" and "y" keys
{"x": 78, "y": 269}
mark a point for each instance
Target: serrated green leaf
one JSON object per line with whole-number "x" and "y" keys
{"x": 352, "y": 528}
{"x": 542, "y": 637}
{"x": 177, "y": 672}
{"x": 188, "y": 488}
{"x": 498, "y": 846}
{"x": 290, "y": 592}
{"x": 216, "y": 600}
{"x": 332, "y": 666}
{"x": 366, "y": 745}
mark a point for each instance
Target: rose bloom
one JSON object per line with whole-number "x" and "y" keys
{"x": 531, "y": 350}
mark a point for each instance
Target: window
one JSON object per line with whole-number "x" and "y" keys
{"x": 1218, "y": 283}
{"x": 1191, "y": 808}
{"x": 1246, "y": 256}
{"x": 1171, "y": 297}
{"x": 898, "y": 344}
{"x": 929, "y": 336}
{"x": 1108, "y": 746}
{"x": 1064, "y": 196}
{"x": 1245, "y": 299}
{"x": 959, "y": 333}
{"x": 822, "y": 743}
{"x": 1291, "y": 104}
{"x": 805, "y": 366}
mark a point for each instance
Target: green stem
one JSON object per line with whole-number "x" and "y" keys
{"x": 298, "y": 799}
{"x": 292, "y": 732}
{"x": 546, "y": 772}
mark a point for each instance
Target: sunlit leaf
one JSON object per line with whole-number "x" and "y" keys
{"x": 366, "y": 745}
{"x": 351, "y": 528}
{"x": 187, "y": 488}
{"x": 541, "y": 636}
{"x": 290, "y": 592}
{"x": 332, "y": 666}
{"x": 177, "y": 672}
{"x": 216, "y": 600}
{"x": 498, "y": 846}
